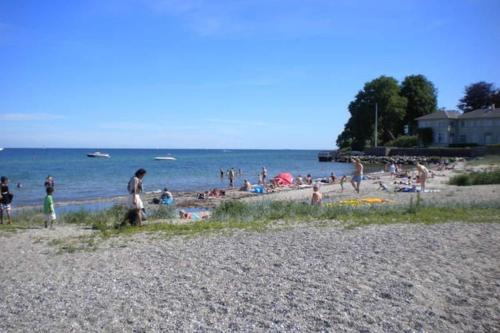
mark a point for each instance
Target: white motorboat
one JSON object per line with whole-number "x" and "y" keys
{"x": 99, "y": 155}
{"x": 165, "y": 158}
{"x": 1, "y": 149}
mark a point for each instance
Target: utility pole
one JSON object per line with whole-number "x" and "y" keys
{"x": 376, "y": 119}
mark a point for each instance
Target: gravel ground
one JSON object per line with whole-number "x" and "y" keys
{"x": 395, "y": 278}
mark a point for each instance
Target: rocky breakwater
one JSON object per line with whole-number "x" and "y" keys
{"x": 405, "y": 160}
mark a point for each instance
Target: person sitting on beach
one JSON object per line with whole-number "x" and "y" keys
{"x": 166, "y": 197}
{"x": 423, "y": 174}
{"x": 134, "y": 188}
{"x": 247, "y": 186}
{"x": 5, "y": 199}
{"x": 358, "y": 174}
{"x": 317, "y": 197}
{"x": 299, "y": 180}
{"x": 166, "y": 194}
{"x": 309, "y": 179}
{"x": 333, "y": 178}
{"x": 48, "y": 208}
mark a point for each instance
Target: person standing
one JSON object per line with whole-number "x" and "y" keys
{"x": 317, "y": 197}
{"x": 5, "y": 199}
{"x": 49, "y": 182}
{"x": 264, "y": 175}
{"x": 342, "y": 181}
{"x": 423, "y": 174}
{"x": 134, "y": 188}
{"x": 221, "y": 172}
{"x": 48, "y": 208}
{"x": 231, "y": 176}
{"x": 358, "y": 174}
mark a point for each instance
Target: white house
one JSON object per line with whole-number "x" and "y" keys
{"x": 480, "y": 126}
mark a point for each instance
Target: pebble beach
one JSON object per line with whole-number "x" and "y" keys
{"x": 311, "y": 276}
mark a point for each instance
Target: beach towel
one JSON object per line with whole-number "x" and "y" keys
{"x": 356, "y": 202}
{"x": 258, "y": 189}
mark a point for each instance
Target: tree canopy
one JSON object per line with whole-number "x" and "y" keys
{"x": 359, "y": 130}
{"x": 479, "y": 95}
{"x": 422, "y": 99}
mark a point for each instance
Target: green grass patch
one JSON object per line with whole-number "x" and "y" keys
{"x": 476, "y": 178}
{"x": 258, "y": 217}
{"x": 485, "y": 160}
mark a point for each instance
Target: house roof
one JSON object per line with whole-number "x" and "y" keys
{"x": 440, "y": 115}
{"x": 481, "y": 114}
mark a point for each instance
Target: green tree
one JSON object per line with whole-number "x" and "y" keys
{"x": 422, "y": 99}
{"x": 479, "y": 95}
{"x": 359, "y": 129}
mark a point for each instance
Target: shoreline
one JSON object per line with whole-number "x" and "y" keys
{"x": 440, "y": 191}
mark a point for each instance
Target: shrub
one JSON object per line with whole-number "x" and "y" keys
{"x": 404, "y": 141}
{"x": 425, "y": 135}
{"x": 476, "y": 178}
{"x": 462, "y": 145}
{"x": 461, "y": 180}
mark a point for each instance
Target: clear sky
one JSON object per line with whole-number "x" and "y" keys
{"x": 224, "y": 74}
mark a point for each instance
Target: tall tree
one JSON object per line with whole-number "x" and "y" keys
{"x": 479, "y": 95}
{"x": 422, "y": 99}
{"x": 359, "y": 129}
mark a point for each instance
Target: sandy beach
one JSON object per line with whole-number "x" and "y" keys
{"x": 306, "y": 277}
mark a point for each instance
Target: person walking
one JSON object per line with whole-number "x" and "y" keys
{"x": 5, "y": 199}
{"x": 48, "y": 208}
{"x": 358, "y": 174}
{"x": 136, "y": 206}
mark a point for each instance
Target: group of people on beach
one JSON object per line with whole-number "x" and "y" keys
{"x": 6, "y": 198}
{"x": 136, "y": 212}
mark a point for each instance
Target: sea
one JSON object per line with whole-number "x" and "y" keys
{"x": 78, "y": 177}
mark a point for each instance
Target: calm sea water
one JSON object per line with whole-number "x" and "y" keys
{"x": 80, "y": 177}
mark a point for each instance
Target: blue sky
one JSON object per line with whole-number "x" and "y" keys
{"x": 224, "y": 74}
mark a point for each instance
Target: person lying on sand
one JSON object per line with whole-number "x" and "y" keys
{"x": 212, "y": 193}
{"x": 203, "y": 215}
{"x": 383, "y": 187}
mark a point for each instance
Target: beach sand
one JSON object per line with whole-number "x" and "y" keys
{"x": 307, "y": 277}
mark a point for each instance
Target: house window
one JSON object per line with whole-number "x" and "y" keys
{"x": 440, "y": 137}
{"x": 463, "y": 138}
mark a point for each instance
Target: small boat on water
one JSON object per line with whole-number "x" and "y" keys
{"x": 165, "y": 158}
{"x": 1, "y": 149}
{"x": 98, "y": 154}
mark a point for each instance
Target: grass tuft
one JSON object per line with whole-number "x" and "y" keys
{"x": 476, "y": 178}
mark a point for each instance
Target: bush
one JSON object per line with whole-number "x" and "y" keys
{"x": 425, "y": 135}
{"x": 461, "y": 180}
{"x": 404, "y": 141}
{"x": 476, "y": 178}
{"x": 462, "y": 145}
